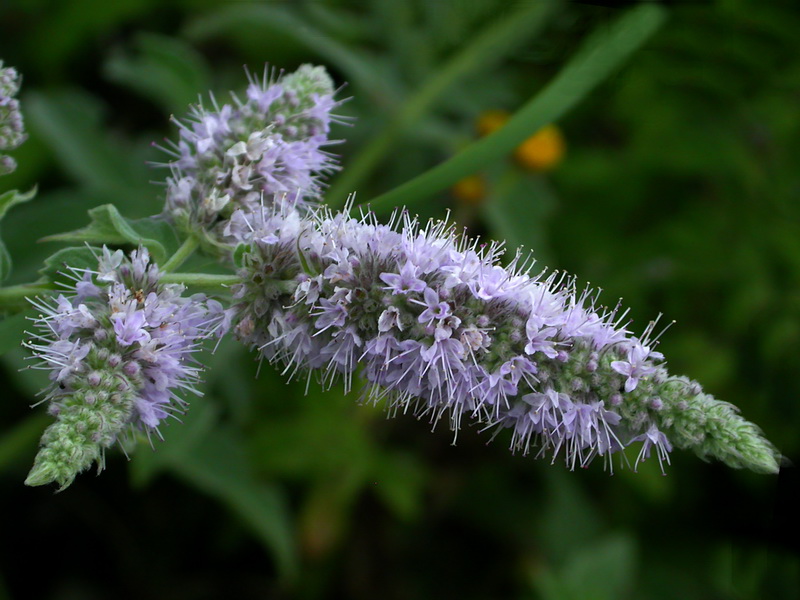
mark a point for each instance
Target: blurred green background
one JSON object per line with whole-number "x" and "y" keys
{"x": 679, "y": 191}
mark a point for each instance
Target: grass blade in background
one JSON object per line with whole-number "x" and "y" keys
{"x": 489, "y": 47}
{"x": 71, "y": 123}
{"x": 363, "y": 70}
{"x": 601, "y": 54}
{"x": 166, "y": 70}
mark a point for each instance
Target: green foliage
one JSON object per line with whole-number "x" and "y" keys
{"x": 591, "y": 65}
{"x": 598, "y": 571}
{"x": 108, "y": 226}
{"x": 210, "y": 457}
{"x": 678, "y": 192}
{"x": 78, "y": 257}
{"x": 168, "y": 71}
{"x": 7, "y": 200}
{"x": 71, "y": 123}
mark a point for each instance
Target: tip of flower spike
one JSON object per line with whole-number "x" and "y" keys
{"x": 764, "y": 459}
{"x": 309, "y": 79}
{"x": 715, "y": 429}
{"x": 44, "y": 473}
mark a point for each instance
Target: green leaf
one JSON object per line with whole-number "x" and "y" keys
{"x": 12, "y": 198}
{"x": 399, "y": 481}
{"x": 603, "y": 570}
{"x": 71, "y": 122}
{"x": 55, "y": 211}
{"x": 21, "y": 439}
{"x": 369, "y": 74}
{"x": 110, "y": 227}
{"x": 179, "y": 440}
{"x": 78, "y": 257}
{"x": 209, "y": 457}
{"x": 7, "y": 200}
{"x": 12, "y": 330}
{"x": 166, "y": 70}
{"x": 569, "y": 520}
{"x": 604, "y": 51}
{"x": 64, "y": 29}
{"x": 219, "y": 467}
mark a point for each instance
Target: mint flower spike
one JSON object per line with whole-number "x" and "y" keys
{"x": 12, "y": 130}
{"x": 438, "y": 327}
{"x": 269, "y": 145}
{"x": 119, "y": 347}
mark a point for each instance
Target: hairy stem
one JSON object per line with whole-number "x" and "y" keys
{"x": 181, "y": 254}
{"x": 205, "y": 280}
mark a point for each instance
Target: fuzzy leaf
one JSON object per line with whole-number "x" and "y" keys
{"x": 110, "y": 227}
{"x": 78, "y": 257}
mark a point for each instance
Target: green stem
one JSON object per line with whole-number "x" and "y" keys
{"x": 487, "y": 47}
{"x": 12, "y": 298}
{"x": 181, "y": 254}
{"x": 206, "y": 280}
{"x": 603, "y": 52}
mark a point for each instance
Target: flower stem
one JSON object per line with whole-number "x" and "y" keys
{"x": 502, "y": 35}
{"x": 605, "y": 50}
{"x": 205, "y": 280}
{"x": 181, "y": 254}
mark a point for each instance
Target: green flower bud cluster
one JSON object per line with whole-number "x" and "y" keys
{"x": 12, "y": 130}
{"x": 89, "y": 419}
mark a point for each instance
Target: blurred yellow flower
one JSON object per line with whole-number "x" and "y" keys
{"x": 542, "y": 151}
{"x": 470, "y": 190}
{"x": 490, "y": 121}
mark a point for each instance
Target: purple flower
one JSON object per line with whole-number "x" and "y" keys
{"x": 653, "y": 438}
{"x": 405, "y": 281}
{"x": 268, "y": 148}
{"x": 440, "y": 327}
{"x": 435, "y": 309}
{"x": 117, "y": 360}
{"x": 637, "y": 365}
{"x": 130, "y": 326}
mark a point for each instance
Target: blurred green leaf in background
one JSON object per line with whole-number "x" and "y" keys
{"x": 678, "y": 190}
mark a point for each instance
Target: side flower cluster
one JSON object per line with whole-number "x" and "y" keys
{"x": 438, "y": 327}
{"x": 12, "y": 130}
{"x": 269, "y": 147}
{"x": 118, "y": 347}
